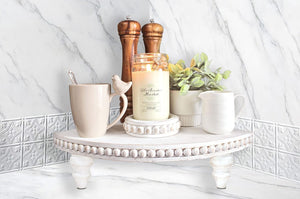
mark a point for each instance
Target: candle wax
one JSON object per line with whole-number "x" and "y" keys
{"x": 150, "y": 91}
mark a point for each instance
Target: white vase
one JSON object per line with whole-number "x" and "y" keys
{"x": 186, "y": 107}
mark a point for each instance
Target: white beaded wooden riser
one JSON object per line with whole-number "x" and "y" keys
{"x": 190, "y": 144}
{"x": 150, "y": 151}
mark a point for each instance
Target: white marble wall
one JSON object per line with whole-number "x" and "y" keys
{"x": 259, "y": 40}
{"x": 41, "y": 39}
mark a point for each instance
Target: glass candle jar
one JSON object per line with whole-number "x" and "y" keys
{"x": 150, "y": 87}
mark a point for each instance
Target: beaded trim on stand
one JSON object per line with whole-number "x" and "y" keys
{"x": 168, "y": 154}
{"x": 150, "y": 129}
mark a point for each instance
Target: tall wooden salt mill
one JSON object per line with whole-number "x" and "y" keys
{"x": 129, "y": 32}
{"x": 152, "y": 34}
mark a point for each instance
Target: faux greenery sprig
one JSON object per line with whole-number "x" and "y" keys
{"x": 196, "y": 77}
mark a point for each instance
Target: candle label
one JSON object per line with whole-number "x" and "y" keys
{"x": 150, "y": 91}
{"x": 151, "y": 100}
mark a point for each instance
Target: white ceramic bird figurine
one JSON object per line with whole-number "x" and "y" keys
{"x": 119, "y": 86}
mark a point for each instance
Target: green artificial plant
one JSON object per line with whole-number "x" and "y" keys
{"x": 196, "y": 77}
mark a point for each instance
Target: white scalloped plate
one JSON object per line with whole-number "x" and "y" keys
{"x": 152, "y": 129}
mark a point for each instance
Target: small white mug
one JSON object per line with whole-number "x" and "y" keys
{"x": 219, "y": 110}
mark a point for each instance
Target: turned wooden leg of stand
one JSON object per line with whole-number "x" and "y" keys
{"x": 221, "y": 169}
{"x": 81, "y": 170}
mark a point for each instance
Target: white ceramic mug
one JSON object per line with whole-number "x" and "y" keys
{"x": 90, "y": 108}
{"x": 219, "y": 110}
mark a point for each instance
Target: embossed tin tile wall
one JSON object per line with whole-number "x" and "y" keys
{"x": 28, "y": 142}
{"x": 275, "y": 149}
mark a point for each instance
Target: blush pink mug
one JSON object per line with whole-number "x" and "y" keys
{"x": 90, "y": 105}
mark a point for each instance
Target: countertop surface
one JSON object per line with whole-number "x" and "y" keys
{"x": 116, "y": 180}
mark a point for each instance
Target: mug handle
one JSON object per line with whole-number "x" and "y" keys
{"x": 239, "y": 102}
{"x": 125, "y": 104}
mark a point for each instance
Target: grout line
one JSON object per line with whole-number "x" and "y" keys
{"x": 276, "y": 149}
{"x": 32, "y": 167}
{"x": 9, "y": 171}
{"x": 22, "y": 144}
{"x": 46, "y": 137}
{"x": 68, "y": 121}
{"x": 10, "y": 145}
{"x": 289, "y": 153}
{"x": 11, "y": 119}
{"x": 44, "y": 155}
{"x": 253, "y": 155}
{"x": 33, "y": 141}
{"x": 264, "y": 147}
{"x": 289, "y": 179}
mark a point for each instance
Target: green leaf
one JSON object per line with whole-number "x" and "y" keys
{"x": 197, "y": 75}
{"x": 181, "y": 63}
{"x": 194, "y": 80}
{"x": 181, "y": 83}
{"x": 196, "y": 69}
{"x": 196, "y": 57}
{"x": 197, "y": 60}
{"x": 197, "y": 82}
{"x": 187, "y": 71}
{"x": 218, "y": 77}
{"x": 174, "y": 68}
{"x": 178, "y": 75}
{"x": 226, "y": 74}
{"x": 206, "y": 64}
{"x": 184, "y": 89}
{"x": 203, "y": 57}
{"x": 212, "y": 84}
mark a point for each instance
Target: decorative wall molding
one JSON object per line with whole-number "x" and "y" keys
{"x": 275, "y": 149}
{"x": 28, "y": 142}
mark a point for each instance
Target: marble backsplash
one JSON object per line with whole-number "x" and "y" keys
{"x": 41, "y": 40}
{"x": 28, "y": 142}
{"x": 259, "y": 40}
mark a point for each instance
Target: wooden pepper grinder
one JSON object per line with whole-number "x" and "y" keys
{"x": 152, "y": 34}
{"x": 129, "y": 32}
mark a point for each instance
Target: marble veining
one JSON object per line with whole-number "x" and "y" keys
{"x": 257, "y": 40}
{"x": 41, "y": 40}
{"x": 112, "y": 179}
